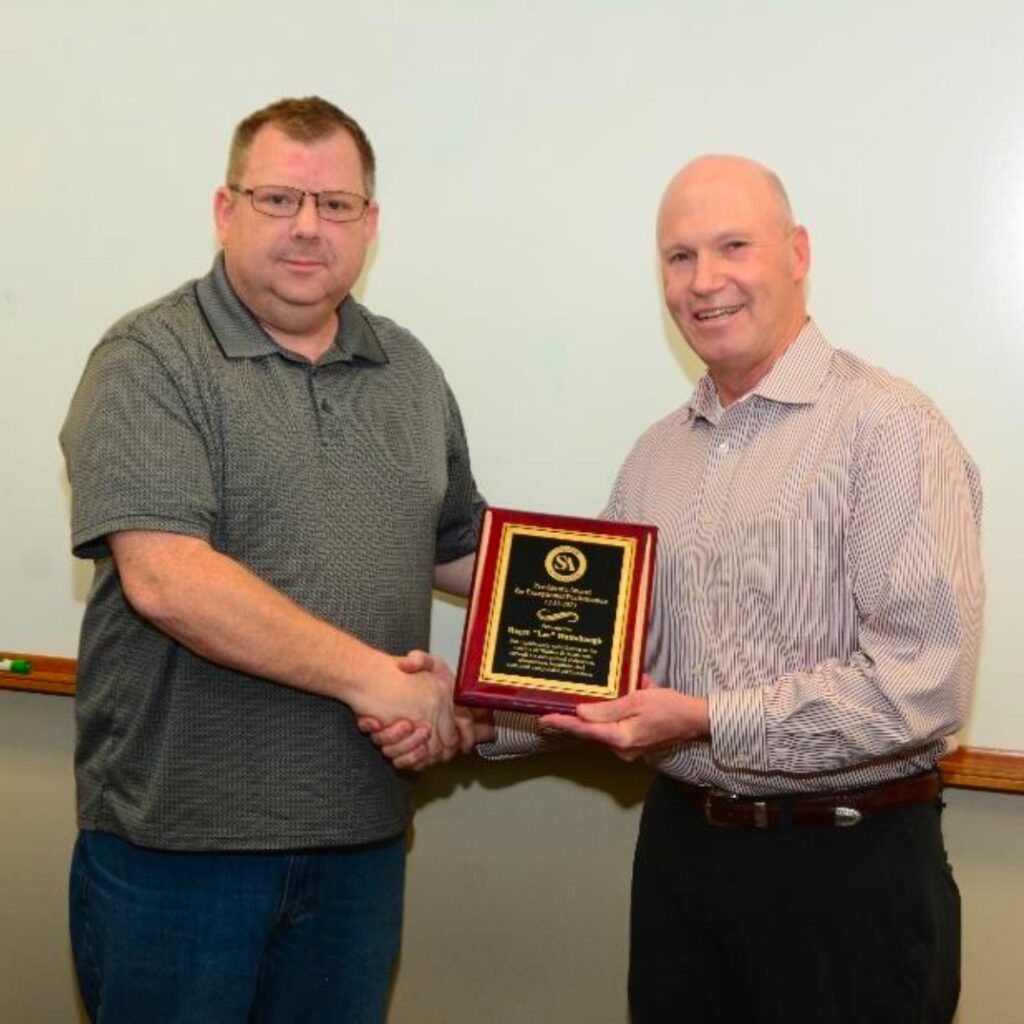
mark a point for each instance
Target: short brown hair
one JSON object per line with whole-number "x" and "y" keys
{"x": 309, "y": 119}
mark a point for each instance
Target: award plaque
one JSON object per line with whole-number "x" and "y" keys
{"x": 557, "y": 614}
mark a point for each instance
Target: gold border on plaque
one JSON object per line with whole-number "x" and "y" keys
{"x": 611, "y": 684}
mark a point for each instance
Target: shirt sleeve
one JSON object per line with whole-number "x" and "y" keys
{"x": 612, "y": 510}
{"x": 136, "y": 459}
{"x": 914, "y": 565}
{"x": 458, "y": 528}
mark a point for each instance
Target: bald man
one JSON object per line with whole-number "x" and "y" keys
{"x": 812, "y": 649}
{"x": 813, "y": 644}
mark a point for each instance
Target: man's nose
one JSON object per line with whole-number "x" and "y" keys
{"x": 707, "y": 276}
{"x": 307, "y": 221}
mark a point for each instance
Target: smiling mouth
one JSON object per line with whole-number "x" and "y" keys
{"x": 718, "y": 313}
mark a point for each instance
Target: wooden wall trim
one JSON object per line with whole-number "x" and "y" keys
{"x": 48, "y": 675}
{"x": 1001, "y": 771}
{"x": 982, "y": 768}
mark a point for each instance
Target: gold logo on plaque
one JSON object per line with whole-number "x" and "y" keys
{"x": 565, "y": 563}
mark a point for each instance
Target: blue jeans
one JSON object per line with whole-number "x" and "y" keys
{"x": 235, "y": 938}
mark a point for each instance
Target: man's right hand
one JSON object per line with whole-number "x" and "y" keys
{"x": 406, "y": 742}
{"x": 415, "y": 702}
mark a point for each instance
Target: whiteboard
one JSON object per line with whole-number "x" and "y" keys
{"x": 523, "y": 148}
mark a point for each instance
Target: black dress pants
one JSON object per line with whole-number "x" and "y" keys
{"x": 856, "y": 925}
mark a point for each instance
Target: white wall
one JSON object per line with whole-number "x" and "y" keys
{"x": 523, "y": 147}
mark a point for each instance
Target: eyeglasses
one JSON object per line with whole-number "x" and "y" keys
{"x": 281, "y": 201}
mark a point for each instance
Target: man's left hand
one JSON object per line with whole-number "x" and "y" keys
{"x": 638, "y": 724}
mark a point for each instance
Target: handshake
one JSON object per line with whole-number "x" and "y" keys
{"x": 416, "y": 724}
{"x": 412, "y": 720}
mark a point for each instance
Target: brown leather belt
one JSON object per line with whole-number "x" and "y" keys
{"x": 840, "y": 810}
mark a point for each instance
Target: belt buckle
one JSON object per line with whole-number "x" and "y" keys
{"x": 846, "y": 817}
{"x": 759, "y": 808}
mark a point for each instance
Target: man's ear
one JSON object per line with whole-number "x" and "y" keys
{"x": 223, "y": 211}
{"x": 801, "y": 253}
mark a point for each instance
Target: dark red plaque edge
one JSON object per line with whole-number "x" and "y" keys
{"x": 471, "y": 691}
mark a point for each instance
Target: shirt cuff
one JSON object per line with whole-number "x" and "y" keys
{"x": 516, "y": 735}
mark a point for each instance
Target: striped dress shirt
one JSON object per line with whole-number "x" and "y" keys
{"x": 818, "y": 577}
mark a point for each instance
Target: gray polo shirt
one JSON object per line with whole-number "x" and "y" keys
{"x": 340, "y": 483}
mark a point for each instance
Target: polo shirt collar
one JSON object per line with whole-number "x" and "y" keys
{"x": 240, "y": 335}
{"x": 796, "y": 379}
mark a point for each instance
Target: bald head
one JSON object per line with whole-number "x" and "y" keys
{"x": 738, "y": 173}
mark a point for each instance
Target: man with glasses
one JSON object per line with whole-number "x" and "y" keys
{"x": 270, "y": 479}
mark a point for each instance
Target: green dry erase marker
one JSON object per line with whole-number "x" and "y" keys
{"x": 16, "y": 665}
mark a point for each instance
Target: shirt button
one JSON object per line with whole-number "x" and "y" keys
{"x": 723, "y": 446}
{"x": 326, "y": 405}
{"x": 707, "y": 518}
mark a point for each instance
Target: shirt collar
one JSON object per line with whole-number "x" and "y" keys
{"x": 240, "y": 335}
{"x": 796, "y": 379}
